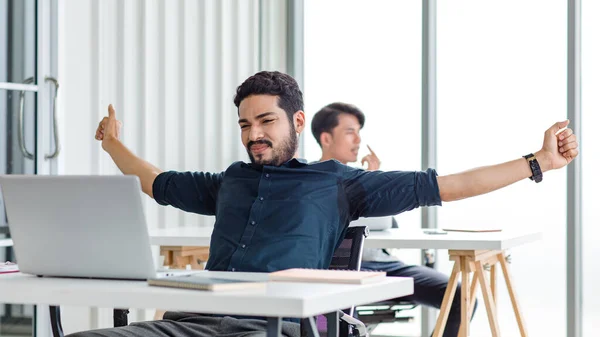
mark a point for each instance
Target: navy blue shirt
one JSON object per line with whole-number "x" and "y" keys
{"x": 291, "y": 216}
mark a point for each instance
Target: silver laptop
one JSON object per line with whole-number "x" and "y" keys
{"x": 78, "y": 226}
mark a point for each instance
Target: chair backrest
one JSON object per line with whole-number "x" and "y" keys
{"x": 347, "y": 256}
{"x": 349, "y": 253}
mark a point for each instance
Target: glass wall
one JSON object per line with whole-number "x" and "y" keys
{"x": 590, "y": 162}
{"x": 369, "y": 54}
{"x": 17, "y": 129}
{"x": 501, "y": 84}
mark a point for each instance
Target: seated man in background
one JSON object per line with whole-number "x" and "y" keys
{"x": 278, "y": 212}
{"x": 336, "y": 127}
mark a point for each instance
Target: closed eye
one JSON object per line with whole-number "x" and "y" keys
{"x": 245, "y": 126}
{"x": 268, "y": 121}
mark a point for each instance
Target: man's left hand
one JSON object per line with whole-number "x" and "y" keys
{"x": 560, "y": 148}
{"x": 372, "y": 160}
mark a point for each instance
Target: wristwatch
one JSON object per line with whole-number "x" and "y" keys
{"x": 535, "y": 168}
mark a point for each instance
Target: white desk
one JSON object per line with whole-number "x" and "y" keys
{"x": 181, "y": 236}
{"x": 416, "y": 239}
{"x": 279, "y": 299}
{"x": 472, "y": 253}
{"x": 6, "y": 243}
{"x": 391, "y": 238}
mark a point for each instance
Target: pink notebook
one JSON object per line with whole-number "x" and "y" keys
{"x": 327, "y": 276}
{"x": 8, "y": 267}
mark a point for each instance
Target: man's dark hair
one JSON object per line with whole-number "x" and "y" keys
{"x": 327, "y": 118}
{"x": 276, "y": 84}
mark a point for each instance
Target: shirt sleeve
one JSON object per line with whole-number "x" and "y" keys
{"x": 378, "y": 193}
{"x": 189, "y": 191}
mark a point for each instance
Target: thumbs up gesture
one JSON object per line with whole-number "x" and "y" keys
{"x": 109, "y": 128}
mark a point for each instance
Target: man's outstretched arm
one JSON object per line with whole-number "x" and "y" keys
{"x": 108, "y": 132}
{"x": 558, "y": 150}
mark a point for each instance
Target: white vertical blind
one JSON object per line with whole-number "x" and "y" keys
{"x": 170, "y": 68}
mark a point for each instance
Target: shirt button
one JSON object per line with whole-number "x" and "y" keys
{"x": 253, "y": 223}
{"x": 267, "y": 175}
{"x": 243, "y": 246}
{"x": 261, "y": 198}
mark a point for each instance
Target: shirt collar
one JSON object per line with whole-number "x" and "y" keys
{"x": 292, "y": 163}
{"x": 295, "y": 162}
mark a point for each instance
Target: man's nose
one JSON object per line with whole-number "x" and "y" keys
{"x": 256, "y": 133}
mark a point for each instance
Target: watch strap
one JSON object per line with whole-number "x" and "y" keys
{"x": 536, "y": 171}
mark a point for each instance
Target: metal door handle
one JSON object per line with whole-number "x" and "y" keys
{"x": 21, "y": 132}
{"x": 55, "y": 121}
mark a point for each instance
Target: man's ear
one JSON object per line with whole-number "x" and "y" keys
{"x": 299, "y": 121}
{"x": 326, "y": 139}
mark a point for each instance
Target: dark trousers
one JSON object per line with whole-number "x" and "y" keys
{"x": 429, "y": 288}
{"x": 193, "y": 325}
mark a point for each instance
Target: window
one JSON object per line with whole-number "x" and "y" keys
{"x": 354, "y": 53}
{"x": 19, "y": 107}
{"x": 501, "y": 84}
{"x": 369, "y": 54}
{"x": 590, "y": 163}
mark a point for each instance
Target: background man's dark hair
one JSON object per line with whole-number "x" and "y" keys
{"x": 327, "y": 118}
{"x": 276, "y": 84}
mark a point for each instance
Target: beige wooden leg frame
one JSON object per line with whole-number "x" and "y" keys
{"x": 475, "y": 261}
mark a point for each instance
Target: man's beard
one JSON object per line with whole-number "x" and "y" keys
{"x": 280, "y": 156}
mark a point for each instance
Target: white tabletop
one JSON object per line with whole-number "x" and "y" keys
{"x": 181, "y": 236}
{"x": 6, "y": 242}
{"x": 400, "y": 238}
{"x": 278, "y": 299}
{"x": 391, "y": 238}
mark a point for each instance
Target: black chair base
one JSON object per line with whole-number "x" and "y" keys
{"x": 384, "y": 312}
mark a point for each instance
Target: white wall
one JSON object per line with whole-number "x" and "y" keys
{"x": 170, "y": 68}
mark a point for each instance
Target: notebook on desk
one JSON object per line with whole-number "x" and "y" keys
{"x": 327, "y": 276}
{"x": 197, "y": 282}
{"x": 472, "y": 230}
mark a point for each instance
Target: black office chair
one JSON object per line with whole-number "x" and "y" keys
{"x": 390, "y": 311}
{"x": 347, "y": 256}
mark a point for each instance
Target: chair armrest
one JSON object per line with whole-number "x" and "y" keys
{"x": 120, "y": 317}
{"x": 358, "y": 325}
{"x": 57, "y": 330}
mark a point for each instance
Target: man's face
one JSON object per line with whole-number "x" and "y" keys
{"x": 345, "y": 139}
{"x": 267, "y": 134}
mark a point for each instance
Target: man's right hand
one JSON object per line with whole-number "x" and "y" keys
{"x": 372, "y": 160}
{"x": 108, "y": 132}
{"x": 109, "y": 128}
